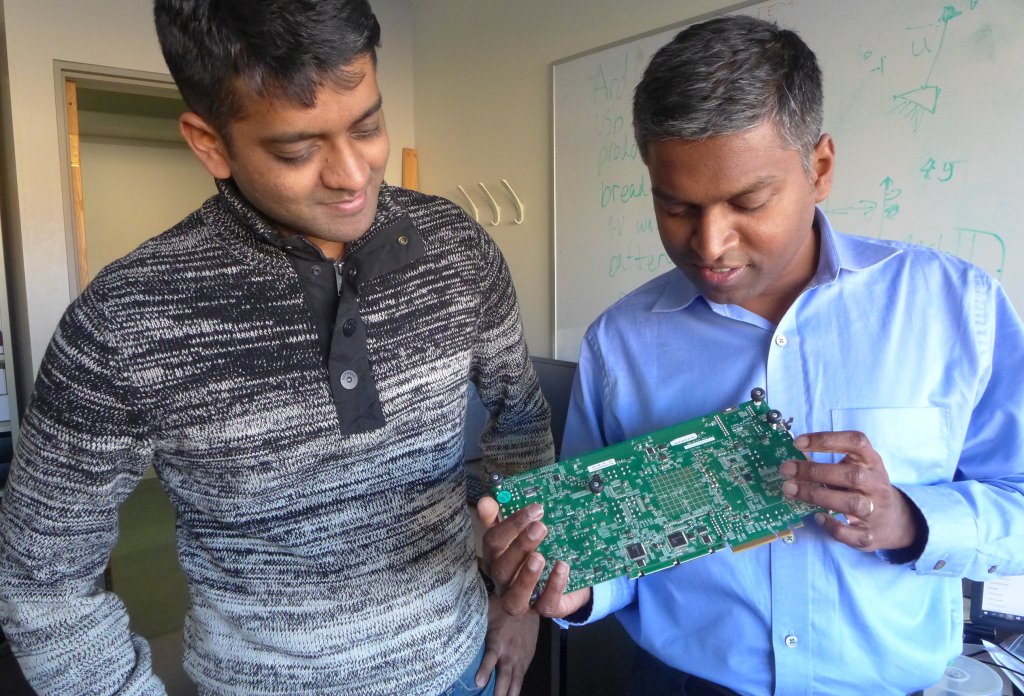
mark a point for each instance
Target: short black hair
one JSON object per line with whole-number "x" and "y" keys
{"x": 279, "y": 48}
{"x": 729, "y": 75}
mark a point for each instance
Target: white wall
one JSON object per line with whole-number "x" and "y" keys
{"x": 483, "y": 110}
{"x": 118, "y": 34}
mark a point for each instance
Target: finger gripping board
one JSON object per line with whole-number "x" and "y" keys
{"x": 659, "y": 500}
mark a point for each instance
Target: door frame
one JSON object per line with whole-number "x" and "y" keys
{"x": 103, "y": 78}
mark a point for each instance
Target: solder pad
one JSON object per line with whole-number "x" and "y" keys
{"x": 669, "y": 497}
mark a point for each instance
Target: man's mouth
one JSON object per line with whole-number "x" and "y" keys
{"x": 718, "y": 275}
{"x": 352, "y": 204}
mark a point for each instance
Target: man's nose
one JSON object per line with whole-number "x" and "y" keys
{"x": 713, "y": 236}
{"x": 345, "y": 169}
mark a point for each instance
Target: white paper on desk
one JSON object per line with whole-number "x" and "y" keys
{"x": 1004, "y": 659}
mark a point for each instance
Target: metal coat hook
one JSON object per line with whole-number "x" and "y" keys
{"x": 494, "y": 205}
{"x": 476, "y": 212}
{"x": 520, "y": 208}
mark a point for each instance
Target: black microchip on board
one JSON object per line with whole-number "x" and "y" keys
{"x": 677, "y": 539}
{"x": 636, "y": 551}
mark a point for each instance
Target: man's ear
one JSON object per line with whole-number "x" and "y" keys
{"x": 823, "y": 161}
{"x": 207, "y": 143}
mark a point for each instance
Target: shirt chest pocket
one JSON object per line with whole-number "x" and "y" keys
{"x": 912, "y": 441}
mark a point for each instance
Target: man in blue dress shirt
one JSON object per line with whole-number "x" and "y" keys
{"x": 900, "y": 366}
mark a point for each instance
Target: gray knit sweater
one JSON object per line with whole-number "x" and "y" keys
{"x": 320, "y": 560}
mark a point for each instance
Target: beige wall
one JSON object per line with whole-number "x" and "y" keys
{"x": 37, "y": 33}
{"x": 117, "y": 34}
{"x": 122, "y": 209}
{"x": 395, "y": 73}
{"x": 483, "y": 110}
{"x": 480, "y": 81}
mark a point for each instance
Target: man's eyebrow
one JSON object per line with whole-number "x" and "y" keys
{"x": 301, "y": 136}
{"x": 756, "y": 185}
{"x": 374, "y": 108}
{"x": 752, "y": 187}
{"x": 663, "y": 196}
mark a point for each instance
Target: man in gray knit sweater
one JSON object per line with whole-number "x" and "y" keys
{"x": 293, "y": 360}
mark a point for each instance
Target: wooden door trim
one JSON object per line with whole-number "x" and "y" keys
{"x": 94, "y": 77}
{"x": 77, "y": 196}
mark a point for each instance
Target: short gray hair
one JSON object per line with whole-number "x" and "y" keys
{"x": 729, "y": 75}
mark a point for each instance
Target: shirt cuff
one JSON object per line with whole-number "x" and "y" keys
{"x": 606, "y": 598}
{"x": 913, "y": 552}
{"x": 952, "y": 531}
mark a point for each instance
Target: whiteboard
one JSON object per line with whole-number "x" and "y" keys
{"x": 925, "y": 100}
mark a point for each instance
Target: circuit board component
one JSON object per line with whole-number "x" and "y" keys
{"x": 665, "y": 498}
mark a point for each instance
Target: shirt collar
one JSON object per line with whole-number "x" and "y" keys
{"x": 391, "y": 242}
{"x": 841, "y": 252}
{"x": 388, "y": 212}
{"x": 837, "y": 252}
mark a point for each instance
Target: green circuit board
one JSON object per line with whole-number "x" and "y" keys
{"x": 665, "y": 498}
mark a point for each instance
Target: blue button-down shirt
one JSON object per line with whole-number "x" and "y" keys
{"x": 917, "y": 349}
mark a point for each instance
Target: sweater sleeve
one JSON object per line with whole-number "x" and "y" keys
{"x": 81, "y": 451}
{"x": 518, "y": 434}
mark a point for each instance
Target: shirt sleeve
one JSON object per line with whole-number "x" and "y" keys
{"x": 80, "y": 453}
{"x": 976, "y": 522}
{"x": 517, "y": 436}
{"x": 585, "y": 422}
{"x": 585, "y": 432}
